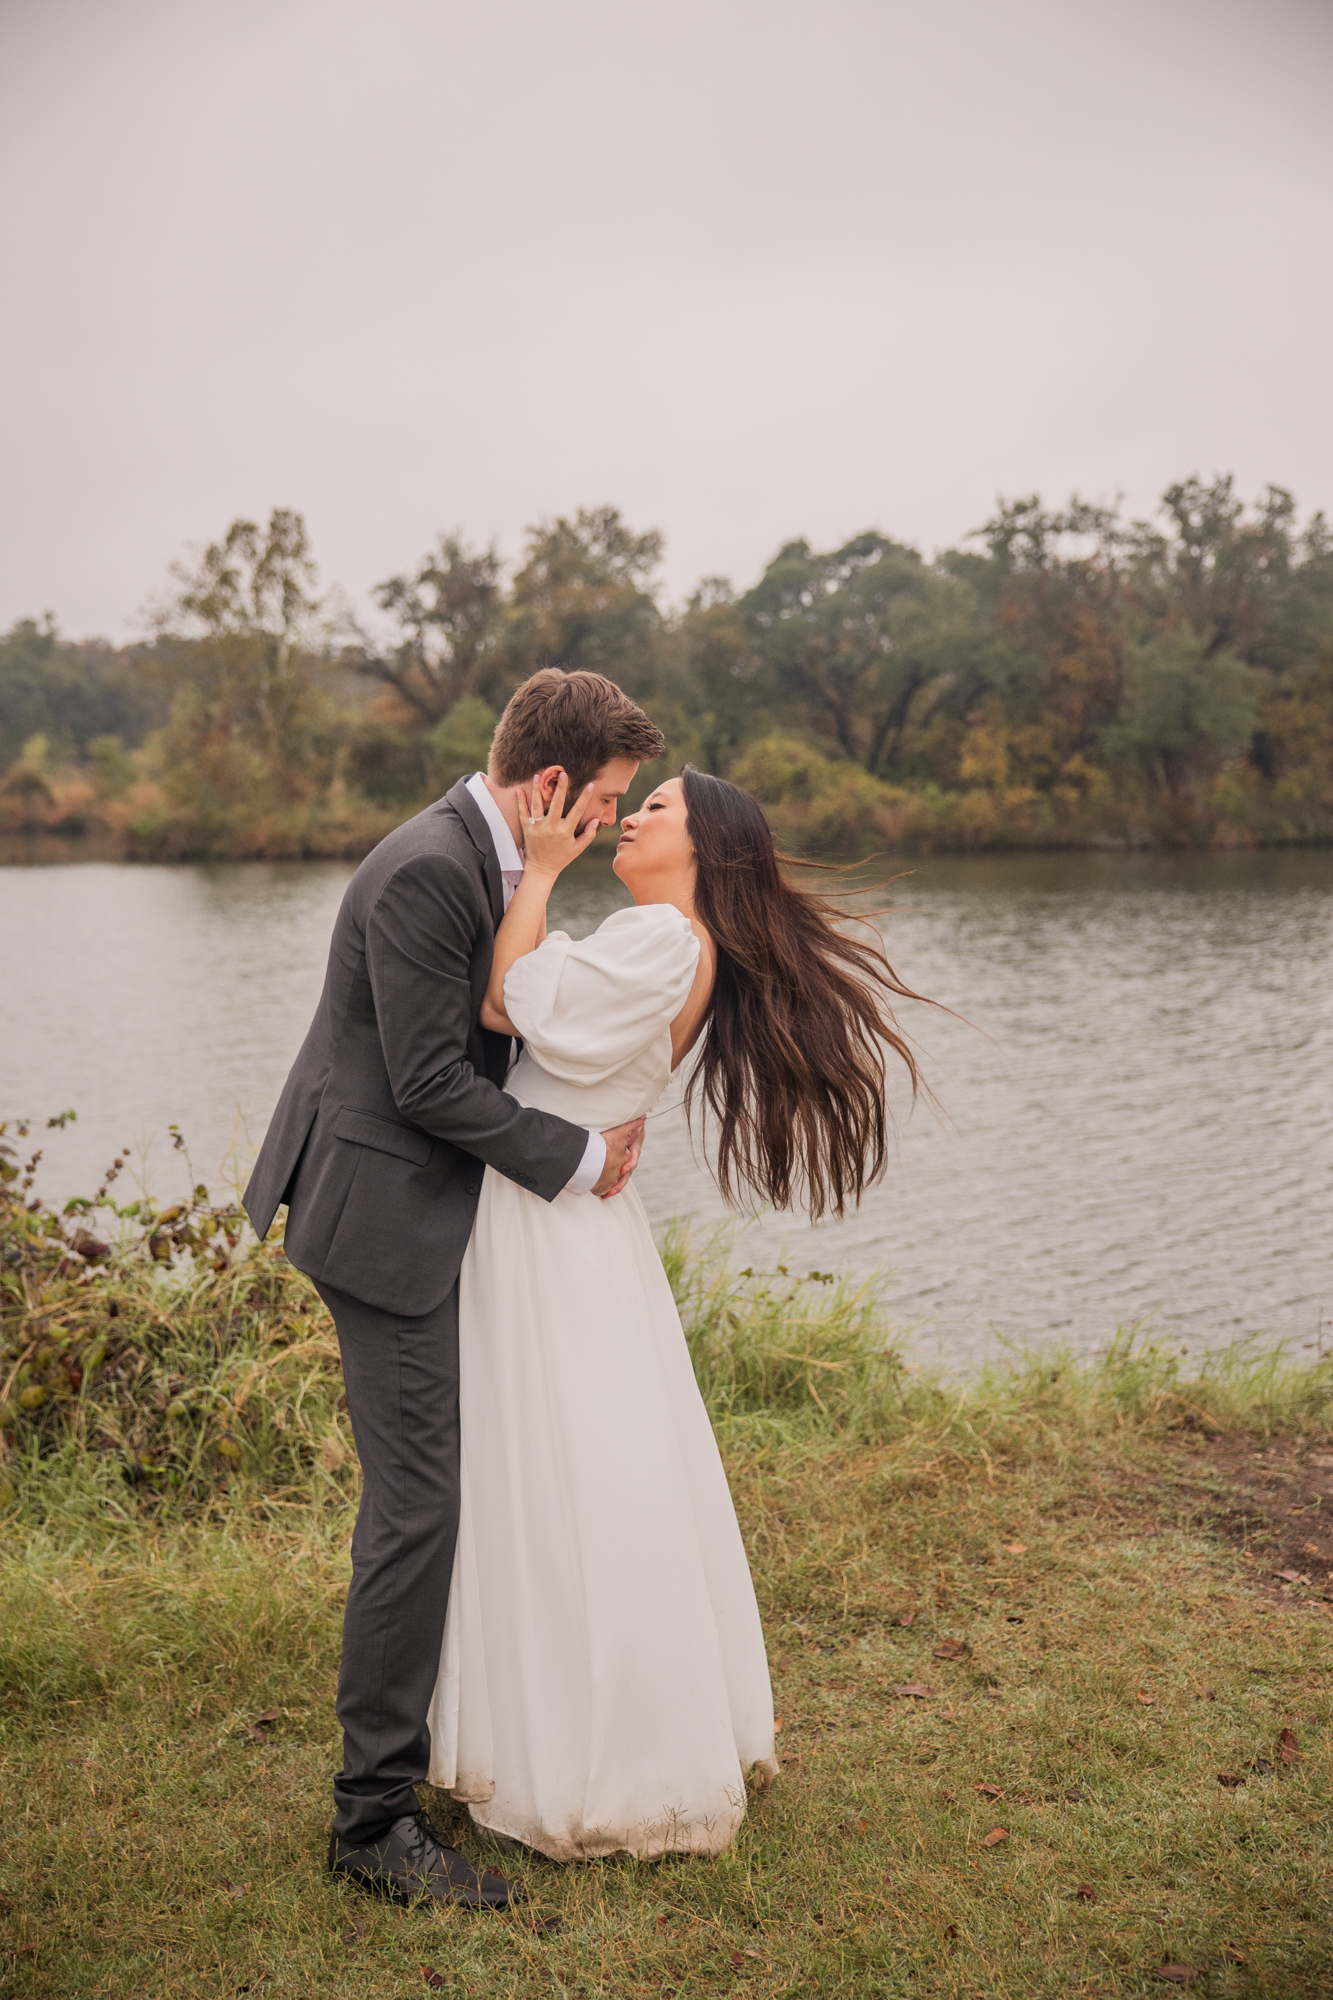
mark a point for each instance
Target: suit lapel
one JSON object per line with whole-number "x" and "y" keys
{"x": 495, "y": 1048}
{"x": 463, "y": 803}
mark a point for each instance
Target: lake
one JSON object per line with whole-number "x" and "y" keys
{"x": 1135, "y": 1116}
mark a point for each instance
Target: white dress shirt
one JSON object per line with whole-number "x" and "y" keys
{"x": 589, "y": 1169}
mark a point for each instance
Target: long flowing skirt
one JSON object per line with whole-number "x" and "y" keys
{"x": 603, "y": 1685}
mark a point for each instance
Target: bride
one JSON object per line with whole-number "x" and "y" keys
{"x": 603, "y": 1686}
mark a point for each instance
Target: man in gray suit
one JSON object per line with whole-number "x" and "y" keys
{"x": 394, "y": 1108}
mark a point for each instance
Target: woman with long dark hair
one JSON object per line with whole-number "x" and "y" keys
{"x": 799, "y": 1017}
{"x": 603, "y": 1685}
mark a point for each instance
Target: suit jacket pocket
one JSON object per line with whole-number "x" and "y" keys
{"x": 364, "y": 1128}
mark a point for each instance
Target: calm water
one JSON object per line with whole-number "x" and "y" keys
{"x": 1137, "y": 1122}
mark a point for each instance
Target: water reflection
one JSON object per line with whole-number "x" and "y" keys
{"x": 1137, "y": 1112}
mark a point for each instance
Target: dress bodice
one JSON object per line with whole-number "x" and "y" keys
{"x": 595, "y": 1016}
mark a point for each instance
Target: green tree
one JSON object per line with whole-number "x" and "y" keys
{"x": 71, "y": 693}
{"x": 249, "y": 728}
{"x": 1053, "y": 591}
{"x": 583, "y": 597}
{"x": 852, "y": 639}
{"x": 1246, "y": 580}
{"x": 1184, "y": 707}
{"x": 448, "y": 612}
{"x": 724, "y": 694}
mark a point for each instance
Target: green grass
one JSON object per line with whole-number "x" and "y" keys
{"x": 1053, "y": 1518}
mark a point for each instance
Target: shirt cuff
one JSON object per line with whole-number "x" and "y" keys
{"x": 589, "y": 1170}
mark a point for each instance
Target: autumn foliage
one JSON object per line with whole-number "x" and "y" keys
{"x": 1066, "y": 678}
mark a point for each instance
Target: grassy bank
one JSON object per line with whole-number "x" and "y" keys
{"x": 1072, "y": 1566}
{"x": 817, "y": 805}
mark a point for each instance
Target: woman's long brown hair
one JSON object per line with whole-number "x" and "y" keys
{"x": 792, "y": 1064}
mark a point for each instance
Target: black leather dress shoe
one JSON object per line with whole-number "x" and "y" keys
{"x": 407, "y": 1862}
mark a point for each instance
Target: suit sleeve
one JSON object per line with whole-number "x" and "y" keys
{"x": 419, "y": 942}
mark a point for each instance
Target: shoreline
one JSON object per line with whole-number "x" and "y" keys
{"x": 43, "y": 850}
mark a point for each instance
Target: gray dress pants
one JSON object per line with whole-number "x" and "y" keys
{"x": 401, "y": 1377}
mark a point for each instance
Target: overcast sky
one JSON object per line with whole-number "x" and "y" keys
{"x": 747, "y": 269}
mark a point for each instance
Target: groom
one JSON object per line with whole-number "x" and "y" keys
{"x": 394, "y": 1108}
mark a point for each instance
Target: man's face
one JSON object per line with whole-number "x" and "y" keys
{"x": 609, "y": 786}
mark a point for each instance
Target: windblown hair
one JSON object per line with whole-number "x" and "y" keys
{"x": 792, "y": 1063}
{"x": 580, "y": 720}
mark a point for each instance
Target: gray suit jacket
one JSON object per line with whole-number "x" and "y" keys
{"x": 395, "y": 1101}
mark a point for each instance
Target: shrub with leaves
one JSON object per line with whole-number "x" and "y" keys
{"x": 157, "y": 1356}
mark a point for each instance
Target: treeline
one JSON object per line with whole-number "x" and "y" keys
{"x": 1070, "y": 678}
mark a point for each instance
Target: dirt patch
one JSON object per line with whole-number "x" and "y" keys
{"x": 1276, "y": 1502}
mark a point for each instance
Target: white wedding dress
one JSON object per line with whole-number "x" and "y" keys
{"x": 603, "y": 1686}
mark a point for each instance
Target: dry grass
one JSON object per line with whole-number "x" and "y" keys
{"x": 1114, "y": 1658}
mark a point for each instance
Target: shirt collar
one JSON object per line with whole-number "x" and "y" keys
{"x": 506, "y": 853}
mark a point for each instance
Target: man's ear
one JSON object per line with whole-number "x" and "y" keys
{"x": 547, "y": 782}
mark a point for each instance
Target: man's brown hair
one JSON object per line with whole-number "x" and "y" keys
{"x": 579, "y": 720}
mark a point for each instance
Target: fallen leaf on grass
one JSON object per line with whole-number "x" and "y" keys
{"x": 357, "y": 1931}
{"x": 907, "y": 1618}
{"x": 995, "y": 1836}
{"x": 1230, "y": 1778}
{"x": 1085, "y": 1893}
{"x": 1076, "y": 1795}
{"x": 777, "y": 1724}
{"x": 1146, "y": 1698}
{"x": 269, "y": 1715}
{"x": 1010, "y": 1619}
{"x": 1287, "y": 1747}
{"x": 238, "y": 1888}
{"x": 989, "y": 1791}
{"x": 1015, "y": 1548}
{"x": 1176, "y": 1975}
{"x": 914, "y": 1691}
{"x": 1207, "y": 1694}
{"x": 257, "y": 1735}
{"x": 661, "y": 1921}
{"x": 950, "y": 1798}
{"x": 1262, "y": 1766}
{"x": 737, "y": 1961}
{"x": 1229, "y": 1956}
{"x": 432, "y": 1977}
{"x": 1288, "y": 1576}
{"x": 951, "y": 1649}
{"x": 544, "y": 1926}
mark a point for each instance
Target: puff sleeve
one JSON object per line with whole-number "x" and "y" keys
{"x": 587, "y": 1008}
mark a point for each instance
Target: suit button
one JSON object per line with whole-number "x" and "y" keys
{"x": 473, "y": 1187}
